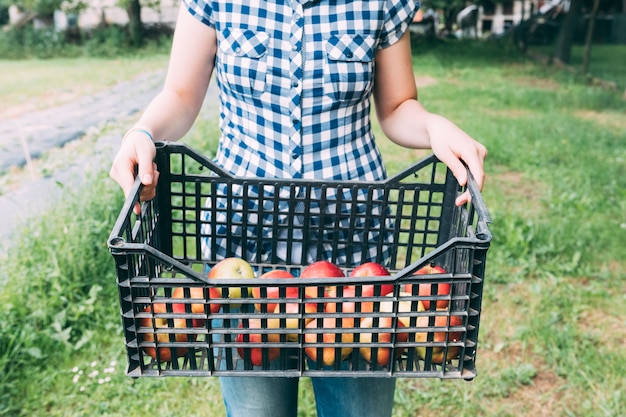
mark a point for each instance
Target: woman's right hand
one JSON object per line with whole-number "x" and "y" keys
{"x": 136, "y": 157}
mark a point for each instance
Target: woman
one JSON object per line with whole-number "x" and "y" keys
{"x": 295, "y": 80}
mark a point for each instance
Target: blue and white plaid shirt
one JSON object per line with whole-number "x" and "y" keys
{"x": 296, "y": 77}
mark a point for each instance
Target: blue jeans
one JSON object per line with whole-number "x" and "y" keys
{"x": 334, "y": 396}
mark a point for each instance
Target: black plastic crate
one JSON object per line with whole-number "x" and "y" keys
{"x": 176, "y": 324}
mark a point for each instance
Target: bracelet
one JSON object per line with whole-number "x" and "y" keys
{"x": 140, "y": 130}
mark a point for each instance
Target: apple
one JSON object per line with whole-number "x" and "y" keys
{"x": 273, "y": 292}
{"x": 440, "y": 337}
{"x": 329, "y": 353}
{"x": 164, "y": 354}
{"x": 346, "y": 306}
{"x": 320, "y": 269}
{"x": 383, "y": 354}
{"x": 404, "y": 306}
{"x": 426, "y": 290}
{"x": 230, "y": 268}
{"x": 293, "y": 309}
{"x": 372, "y": 269}
{"x": 256, "y": 353}
{"x": 196, "y": 308}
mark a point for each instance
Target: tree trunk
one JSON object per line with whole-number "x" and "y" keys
{"x": 135, "y": 25}
{"x": 565, "y": 38}
{"x": 589, "y": 38}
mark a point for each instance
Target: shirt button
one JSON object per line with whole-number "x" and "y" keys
{"x": 295, "y": 47}
{"x": 294, "y": 84}
{"x": 349, "y": 54}
{"x": 295, "y": 121}
{"x": 294, "y": 155}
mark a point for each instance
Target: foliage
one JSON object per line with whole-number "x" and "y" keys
{"x": 111, "y": 41}
{"x": 43, "y": 8}
{"x": 29, "y": 43}
{"x": 57, "y": 274}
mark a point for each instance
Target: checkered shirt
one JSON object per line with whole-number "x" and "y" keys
{"x": 295, "y": 78}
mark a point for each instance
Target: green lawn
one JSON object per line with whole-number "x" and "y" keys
{"x": 552, "y": 335}
{"x": 604, "y": 62}
{"x": 30, "y": 85}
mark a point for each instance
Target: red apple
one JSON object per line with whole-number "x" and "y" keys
{"x": 426, "y": 290}
{"x": 273, "y": 292}
{"x": 320, "y": 269}
{"x": 350, "y": 303}
{"x": 256, "y": 353}
{"x": 372, "y": 269}
{"x": 329, "y": 353}
{"x": 230, "y": 268}
{"x": 440, "y": 336}
{"x": 383, "y": 353}
{"x": 164, "y": 354}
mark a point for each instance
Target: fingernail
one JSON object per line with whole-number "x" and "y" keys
{"x": 146, "y": 179}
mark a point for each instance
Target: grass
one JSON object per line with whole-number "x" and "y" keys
{"x": 602, "y": 63}
{"x": 551, "y": 338}
{"x": 31, "y": 85}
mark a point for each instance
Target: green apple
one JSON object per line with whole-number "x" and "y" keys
{"x": 230, "y": 268}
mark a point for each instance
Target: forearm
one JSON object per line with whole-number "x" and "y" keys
{"x": 169, "y": 116}
{"x": 172, "y": 112}
{"x": 408, "y": 125}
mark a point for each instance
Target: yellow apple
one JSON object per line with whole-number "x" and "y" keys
{"x": 383, "y": 353}
{"x": 404, "y": 306}
{"x": 329, "y": 353}
{"x": 164, "y": 354}
{"x": 440, "y": 336}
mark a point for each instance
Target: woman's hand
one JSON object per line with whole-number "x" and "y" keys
{"x": 457, "y": 149}
{"x": 136, "y": 157}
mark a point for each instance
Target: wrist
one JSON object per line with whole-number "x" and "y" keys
{"x": 138, "y": 131}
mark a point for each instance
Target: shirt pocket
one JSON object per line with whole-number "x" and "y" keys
{"x": 242, "y": 66}
{"x": 349, "y": 67}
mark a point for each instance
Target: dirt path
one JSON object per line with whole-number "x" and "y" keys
{"x": 65, "y": 143}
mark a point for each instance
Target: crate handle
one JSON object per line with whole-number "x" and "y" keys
{"x": 115, "y": 238}
{"x": 481, "y": 208}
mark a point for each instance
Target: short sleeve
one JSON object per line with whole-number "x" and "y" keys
{"x": 398, "y": 16}
{"x": 201, "y": 10}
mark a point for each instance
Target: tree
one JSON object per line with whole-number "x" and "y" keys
{"x": 450, "y": 9}
{"x": 589, "y": 38}
{"x": 565, "y": 38}
{"x": 135, "y": 25}
{"x": 42, "y": 8}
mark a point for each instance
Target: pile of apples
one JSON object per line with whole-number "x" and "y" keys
{"x": 160, "y": 319}
{"x": 342, "y": 323}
